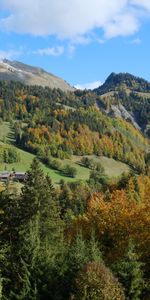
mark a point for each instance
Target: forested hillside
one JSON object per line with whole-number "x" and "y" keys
{"x": 79, "y": 238}
{"x": 128, "y": 96}
{"x": 59, "y": 125}
{"x": 86, "y": 235}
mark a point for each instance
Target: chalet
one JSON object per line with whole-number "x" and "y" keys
{"x": 15, "y": 176}
{"x": 20, "y": 176}
{"x": 5, "y": 176}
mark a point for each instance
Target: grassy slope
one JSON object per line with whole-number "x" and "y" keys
{"x": 112, "y": 168}
{"x": 4, "y": 131}
{"x": 26, "y": 159}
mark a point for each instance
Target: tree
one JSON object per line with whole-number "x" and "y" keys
{"x": 42, "y": 235}
{"x": 98, "y": 179}
{"x": 10, "y": 155}
{"x": 70, "y": 171}
{"x": 95, "y": 281}
{"x": 9, "y": 242}
{"x": 33, "y": 231}
{"x": 129, "y": 272}
{"x": 2, "y": 263}
{"x": 80, "y": 253}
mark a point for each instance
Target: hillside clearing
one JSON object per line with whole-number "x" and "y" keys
{"x": 112, "y": 167}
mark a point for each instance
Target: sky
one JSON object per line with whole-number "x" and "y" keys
{"x": 82, "y": 41}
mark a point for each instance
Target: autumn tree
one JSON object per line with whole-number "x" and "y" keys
{"x": 95, "y": 281}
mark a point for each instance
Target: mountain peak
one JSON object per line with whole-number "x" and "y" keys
{"x": 118, "y": 81}
{"x": 30, "y": 75}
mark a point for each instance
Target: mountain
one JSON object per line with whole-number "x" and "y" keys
{"x": 29, "y": 75}
{"x": 128, "y": 97}
{"x": 127, "y": 81}
{"x": 52, "y": 123}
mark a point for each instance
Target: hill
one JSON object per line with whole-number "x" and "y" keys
{"x": 54, "y": 124}
{"x": 29, "y": 75}
{"x": 127, "y": 81}
{"x": 112, "y": 167}
{"x": 126, "y": 96}
{"x": 92, "y": 208}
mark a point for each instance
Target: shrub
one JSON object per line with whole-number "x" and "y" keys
{"x": 70, "y": 171}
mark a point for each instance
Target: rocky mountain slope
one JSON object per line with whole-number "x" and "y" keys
{"x": 126, "y": 96}
{"x": 17, "y": 71}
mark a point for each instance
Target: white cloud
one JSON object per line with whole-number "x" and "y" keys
{"x": 10, "y": 54}
{"x": 54, "y": 51}
{"x": 143, "y": 3}
{"x": 122, "y": 25}
{"x": 88, "y": 86}
{"x": 78, "y": 40}
{"x": 74, "y": 19}
{"x": 100, "y": 41}
{"x": 136, "y": 41}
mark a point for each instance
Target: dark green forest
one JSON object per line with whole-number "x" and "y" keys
{"x": 78, "y": 241}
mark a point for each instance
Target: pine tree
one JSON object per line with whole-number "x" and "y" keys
{"x": 129, "y": 273}
{"x": 29, "y": 232}
{"x": 9, "y": 241}
{"x": 2, "y": 259}
{"x": 41, "y": 236}
{"x": 32, "y": 192}
{"x": 80, "y": 253}
{"x": 33, "y": 231}
{"x": 95, "y": 254}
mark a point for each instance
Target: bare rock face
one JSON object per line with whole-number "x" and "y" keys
{"x": 119, "y": 111}
{"x": 126, "y": 96}
{"x": 17, "y": 71}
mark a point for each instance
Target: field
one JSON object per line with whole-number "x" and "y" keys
{"x": 112, "y": 168}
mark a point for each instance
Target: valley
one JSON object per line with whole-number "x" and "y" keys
{"x": 74, "y": 150}
{"x": 80, "y": 215}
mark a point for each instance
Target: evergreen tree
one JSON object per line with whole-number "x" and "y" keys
{"x": 52, "y": 248}
{"x": 2, "y": 261}
{"x": 32, "y": 229}
{"x": 80, "y": 253}
{"x": 9, "y": 241}
{"x": 129, "y": 273}
{"x": 32, "y": 192}
{"x": 41, "y": 235}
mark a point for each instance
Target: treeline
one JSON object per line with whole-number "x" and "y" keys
{"x": 77, "y": 241}
{"x": 18, "y": 101}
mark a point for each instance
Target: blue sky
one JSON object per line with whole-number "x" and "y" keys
{"x": 80, "y": 41}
